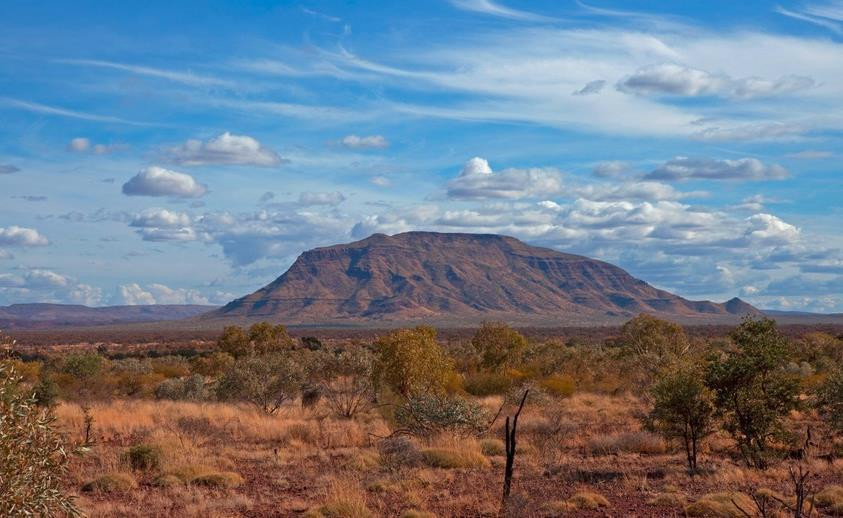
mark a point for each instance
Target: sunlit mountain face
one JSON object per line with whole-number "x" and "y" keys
{"x": 187, "y": 152}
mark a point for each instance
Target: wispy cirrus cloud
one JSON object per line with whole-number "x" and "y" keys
{"x": 188, "y": 78}
{"x": 64, "y": 112}
{"x": 491, "y": 8}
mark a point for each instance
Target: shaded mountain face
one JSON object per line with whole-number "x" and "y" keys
{"x": 59, "y": 315}
{"x": 427, "y": 275}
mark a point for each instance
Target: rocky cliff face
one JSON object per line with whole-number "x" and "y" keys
{"x": 426, "y": 275}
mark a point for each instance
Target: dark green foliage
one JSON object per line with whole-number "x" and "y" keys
{"x": 143, "y": 457}
{"x": 411, "y": 361}
{"x": 266, "y": 381}
{"x": 311, "y": 342}
{"x": 830, "y": 400}
{"x": 33, "y": 455}
{"x": 683, "y": 410}
{"x": 654, "y": 344}
{"x": 261, "y": 338}
{"x": 498, "y": 345}
{"x": 83, "y": 366}
{"x": 753, "y": 391}
{"x": 487, "y": 384}
{"x": 191, "y": 388}
{"x": 429, "y": 414}
{"x": 46, "y": 391}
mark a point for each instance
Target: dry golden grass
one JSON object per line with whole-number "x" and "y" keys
{"x": 229, "y": 460}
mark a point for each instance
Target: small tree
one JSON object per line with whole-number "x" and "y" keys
{"x": 753, "y": 391}
{"x": 234, "y": 341}
{"x": 33, "y": 456}
{"x": 654, "y": 343}
{"x": 266, "y": 338}
{"x": 683, "y": 410}
{"x": 411, "y": 361}
{"x": 346, "y": 382}
{"x": 830, "y": 400}
{"x": 266, "y": 381}
{"x": 498, "y": 345}
{"x": 261, "y": 338}
{"x": 431, "y": 414}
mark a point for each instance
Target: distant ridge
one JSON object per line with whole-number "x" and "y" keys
{"x": 459, "y": 277}
{"x": 29, "y": 316}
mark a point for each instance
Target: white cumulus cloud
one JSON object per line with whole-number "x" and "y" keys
{"x": 225, "y": 149}
{"x": 21, "y": 236}
{"x": 157, "y": 181}
{"x": 478, "y": 181}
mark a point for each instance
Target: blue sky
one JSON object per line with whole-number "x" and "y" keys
{"x": 187, "y": 152}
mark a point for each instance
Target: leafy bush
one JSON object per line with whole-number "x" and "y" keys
{"x": 498, "y": 345}
{"x": 653, "y": 343}
{"x": 33, "y": 456}
{"x": 261, "y": 338}
{"x": 487, "y": 384}
{"x": 558, "y": 385}
{"x": 410, "y": 361}
{"x": 683, "y": 410}
{"x": 143, "y": 457}
{"x": 266, "y": 381}
{"x": 212, "y": 365}
{"x": 830, "y": 400}
{"x": 346, "y": 381}
{"x": 753, "y": 392}
{"x": 83, "y": 366}
{"x": 191, "y": 388}
{"x": 46, "y": 391}
{"x": 429, "y": 414}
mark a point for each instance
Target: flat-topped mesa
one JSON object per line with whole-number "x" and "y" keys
{"x": 423, "y": 275}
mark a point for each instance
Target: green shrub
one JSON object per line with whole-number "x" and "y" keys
{"x": 558, "y": 385}
{"x": 143, "y": 457}
{"x": 683, "y": 410}
{"x": 430, "y": 414}
{"x": 191, "y": 388}
{"x": 498, "y": 345}
{"x": 46, "y": 391}
{"x": 411, "y": 361}
{"x": 83, "y": 366}
{"x": 345, "y": 380}
{"x": 33, "y": 455}
{"x": 111, "y": 483}
{"x": 266, "y": 381}
{"x": 487, "y": 384}
{"x": 753, "y": 391}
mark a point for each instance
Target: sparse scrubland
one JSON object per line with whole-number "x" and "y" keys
{"x": 650, "y": 422}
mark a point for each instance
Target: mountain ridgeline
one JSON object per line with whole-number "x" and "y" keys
{"x": 444, "y": 277}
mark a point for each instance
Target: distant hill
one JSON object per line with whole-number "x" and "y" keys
{"x": 29, "y": 316}
{"x": 457, "y": 278}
